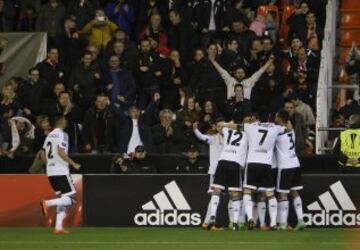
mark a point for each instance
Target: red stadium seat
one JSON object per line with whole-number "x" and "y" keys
{"x": 350, "y": 21}
{"x": 348, "y": 36}
{"x": 350, "y": 5}
{"x": 265, "y": 9}
{"x": 288, "y": 11}
{"x": 342, "y": 56}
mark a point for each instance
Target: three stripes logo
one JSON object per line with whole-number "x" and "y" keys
{"x": 334, "y": 208}
{"x": 169, "y": 208}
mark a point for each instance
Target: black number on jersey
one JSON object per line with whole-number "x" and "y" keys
{"x": 49, "y": 155}
{"x": 263, "y": 138}
{"x": 291, "y": 141}
{"x": 234, "y": 138}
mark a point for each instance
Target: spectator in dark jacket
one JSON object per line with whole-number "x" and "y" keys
{"x": 192, "y": 164}
{"x": 120, "y": 83}
{"x": 167, "y": 136}
{"x": 140, "y": 163}
{"x": 7, "y": 16}
{"x": 42, "y": 129}
{"x": 120, "y": 165}
{"x": 99, "y": 128}
{"x": 237, "y": 107}
{"x": 82, "y": 11}
{"x": 122, "y": 13}
{"x": 27, "y": 21}
{"x": 50, "y": 70}
{"x": 310, "y": 30}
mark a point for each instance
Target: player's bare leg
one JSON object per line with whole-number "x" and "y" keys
{"x": 249, "y": 204}
{"x": 298, "y": 209}
{"x": 272, "y": 209}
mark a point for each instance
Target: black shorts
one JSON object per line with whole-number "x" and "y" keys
{"x": 259, "y": 177}
{"x": 274, "y": 173}
{"x": 288, "y": 179}
{"x": 228, "y": 175}
{"x": 62, "y": 184}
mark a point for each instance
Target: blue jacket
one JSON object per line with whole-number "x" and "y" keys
{"x": 124, "y": 19}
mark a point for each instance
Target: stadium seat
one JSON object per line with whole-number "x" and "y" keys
{"x": 265, "y": 9}
{"x": 350, "y": 21}
{"x": 348, "y": 36}
{"x": 343, "y": 54}
{"x": 284, "y": 29}
{"x": 350, "y": 5}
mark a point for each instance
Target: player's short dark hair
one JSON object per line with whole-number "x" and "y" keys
{"x": 263, "y": 114}
{"x": 56, "y": 119}
{"x": 284, "y": 115}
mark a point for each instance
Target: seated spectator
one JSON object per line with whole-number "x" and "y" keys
{"x": 135, "y": 129}
{"x": 167, "y": 136}
{"x": 81, "y": 11}
{"x": 140, "y": 163}
{"x": 149, "y": 8}
{"x": 120, "y": 83}
{"x": 52, "y": 95}
{"x": 99, "y": 129}
{"x": 8, "y": 101}
{"x": 120, "y": 165}
{"x": 22, "y": 136}
{"x": 122, "y": 13}
{"x": 192, "y": 164}
{"x": 85, "y": 81}
{"x": 42, "y": 129}
{"x": 208, "y": 117}
{"x": 99, "y": 30}
{"x": 305, "y": 110}
{"x": 27, "y": 21}
{"x": 49, "y": 69}
{"x": 237, "y": 107}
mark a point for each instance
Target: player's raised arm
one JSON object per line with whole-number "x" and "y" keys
{"x": 201, "y": 136}
{"x": 66, "y": 158}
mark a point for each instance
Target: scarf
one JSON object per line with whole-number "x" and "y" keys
{"x": 15, "y": 133}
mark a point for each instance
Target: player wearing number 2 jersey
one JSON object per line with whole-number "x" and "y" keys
{"x": 54, "y": 152}
{"x": 228, "y": 173}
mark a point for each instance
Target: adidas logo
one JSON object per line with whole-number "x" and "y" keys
{"x": 334, "y": 208}
{"x": 169, "y": 208}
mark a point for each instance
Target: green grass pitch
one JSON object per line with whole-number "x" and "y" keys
{"x": 176, "y": 239}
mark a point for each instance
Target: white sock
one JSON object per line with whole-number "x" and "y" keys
{"x": 207, "y": 217}
{"x": 230, "y": 211}
{"x": 62, "y": 201}
{"x": 298, "y": 208}
{"x": 278, "y": 214}
{"x": 214, "y": 205}
{"x": 236, "y": 211}
{"x": 242, "y": 212}
{"x": 272, "y": 211}
{"x": 248, "y": 206}
{"x": 261, "y": 209}
{"x": 60, "y": 216}
{"x": 283, "y": 212}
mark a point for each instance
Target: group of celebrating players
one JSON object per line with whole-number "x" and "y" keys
{"x": 254, "y": 162}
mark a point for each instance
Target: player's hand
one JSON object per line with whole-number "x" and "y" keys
{"x": 77, "y": 166}
{"x": 195, "y": 125}
{"x": 353, "y": 161}
{"x": 156, "y": 97}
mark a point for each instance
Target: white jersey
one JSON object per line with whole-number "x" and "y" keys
{"x": 285, "y": 151}
{"x": 55, "y": 165}
{"x": 274, "y": 161}
{"x": 235, "y": 146}
{"x": 262, "y": 139}
{"x": 215, "y": 147}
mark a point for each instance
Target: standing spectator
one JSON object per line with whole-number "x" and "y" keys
{"x": 140, "y": 163}
{"x": 49, "y": 69}
{"x": 42, "y": 129}
{"x": 99, "y": 30}
{"x": 81, "y": 11}
{"x": 53, "y": 94}
{"x": 51, "y": 18}
{"x": 208, "y": 117}
{"x": 119, "y": 83}
{"x": 32, "y": 92}
{"x": 297, "y": 19}
{"x": 149, "y": 8}
{"x": 7, "y": 16}
{"x": 122, "y": 13}
{"x": 27, "y": 21}
{"x": 85, "y": 81}
{"x": 99, "y": 128}
{"x": 135, "y": 129}
{"x": 305, "y": 110}
{"x": 310, "y": 30}
{"x": 167, "y": 136}
{"x": 192, "y": 164}
{"x": 243, "y": 35}
{"x": 237, "y": 107}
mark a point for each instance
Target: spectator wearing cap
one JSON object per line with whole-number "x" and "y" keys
{"x": 237, "y": 107}
{"x": 135, "y": 128}
{"x": 140, "y": 163}
{"x": 192, "y": 164}
{"x": 122, "y": 13}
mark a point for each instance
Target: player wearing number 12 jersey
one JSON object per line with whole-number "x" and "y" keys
{"x": 228, "y": 174}
{"x": 54, "y": 152}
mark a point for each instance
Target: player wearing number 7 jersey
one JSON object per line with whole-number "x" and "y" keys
{"x": 54, "y": 153}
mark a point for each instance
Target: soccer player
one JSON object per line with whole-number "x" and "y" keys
{"x": 262, "y": 136}
{"x": 54, "y": 152}
{"x": 289, "y": 174}
{"x": 228, "y": 174}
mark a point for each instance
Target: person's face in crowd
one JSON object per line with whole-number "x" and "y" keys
{"x": 153, "y": 43}
{"x": 119, "y": 48}
{"x": 58, "y": 88}
{"x": 34, "y": 75}
{"x": 120, "y": 36}
{"x": 313, "y": 44}
{"x": 8, "y": 92}
{"x": 69, "y": 24}
{"x": 87, "y": 60}
{"x": 145, "y": 46}
{"x": 53, "y": 55}
{"x": 175, "y": 56}
{"x": 310, "y": 19}
{"x": 100, "y": 15}
{"x": 30, "y": 12}
{"x": 155, "y": 21}
{"x": 290, "y": 108}
{"x": 302, "y": 54}
{"x": 100, "y": 102}
{"x": 267, "y": 45}
{"x": 256, "y": 46}
{"x": 174, "y": 18}
{"x": 14, "y": 82}
{"x": 166, "y": 119}
{"x": 191, "y": 104}
{"x": 199, "y": 54}
{"x": 54, "y": 3}
{"x": 219, "y": 126}
{"x": 209, "y": 107}
{"x": 237, "y": 27}
{"x": 239, "y": 92}
{"x": 93, "y": 50}
{"x": 212, "y": 50}
{"x": 296, "y": 44}
{"x": 239, "y": 74}
{"x": 296, "y": 102}
{"x": 339, "y": 122}
{"x": 271, "y": 69}
{"x": 233, "y": 45}
{"x": 248, "y": 119}
{"x": 20, "y": 126}
{"x": 192, "y": 155}
{"x": 140, "y": 155}
{"x": 45, "y": 124}
{"x": 134, "y": 113}
{"x": 304, "y": 8}
{"x": 114, "y": 63}
{"x": 64, "y": 99}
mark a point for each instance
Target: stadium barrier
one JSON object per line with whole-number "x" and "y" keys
{"x": 165, "y": 164}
